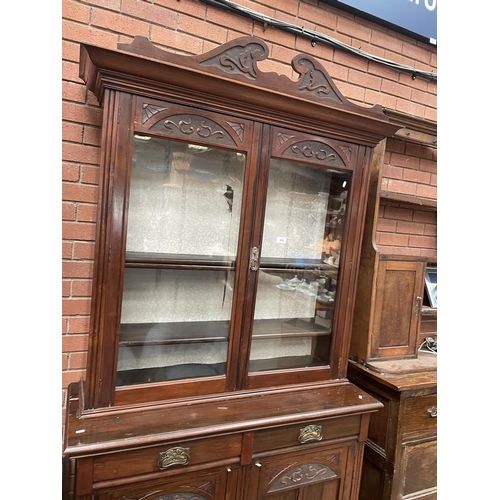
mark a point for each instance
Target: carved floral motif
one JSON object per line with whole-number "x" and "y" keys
{"x": 282, "y": 139}
{"x": 148, "y": 110}
{"x": 238, "y": 128}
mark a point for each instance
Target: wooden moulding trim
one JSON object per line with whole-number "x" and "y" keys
{"x": 415, "y": 129}
{"x": 425, "y": 203}
{"x": 323, "y": 401}
{"x": 231, "y": 70}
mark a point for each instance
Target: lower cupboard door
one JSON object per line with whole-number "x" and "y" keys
{"x": 311, "y": 476}
{"x": 201, "y": 486}
{"x": 324, "y": 491}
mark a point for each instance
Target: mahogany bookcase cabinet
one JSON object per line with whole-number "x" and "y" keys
{"x": 231, "y": 208}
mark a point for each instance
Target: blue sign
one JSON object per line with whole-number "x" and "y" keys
{"x": 415, "y": 16}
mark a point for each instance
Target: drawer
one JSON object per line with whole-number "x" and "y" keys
{"x": 420, "y": 414}
{"x": 310, "y": 432}
{"x": 175, "y": 456}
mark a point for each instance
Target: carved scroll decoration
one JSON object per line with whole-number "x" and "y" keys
{"x": 240, "y": 59}
{"x": 149, "y": 110}
{"x": 315, "y": 79}
{"x": 316, "y": 151}
{"x": 303, "y": 474}
{"x": 198, "y": 126}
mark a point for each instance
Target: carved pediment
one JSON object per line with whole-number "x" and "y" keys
{"x": 240, "y": 57}
{"x": 229, "y": 79}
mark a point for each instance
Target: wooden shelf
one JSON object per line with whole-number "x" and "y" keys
{"x": 285, "y": 363}
{"x": 176, "y": 261}
{"x": 196, "y": 370}
{"x": 210, "y": 262}
{"x": 165, "y": 373}
{"x": 286, "y": 328}
{"x": 144, "y": 334}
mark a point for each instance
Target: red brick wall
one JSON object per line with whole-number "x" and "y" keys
{"x": 192, "y": 27}
{"x": 409, "y": 170}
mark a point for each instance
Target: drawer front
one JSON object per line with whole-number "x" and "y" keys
{"x": 306, "y": 433}
{"x": 419, "y": 464}
{"x": 420, "y": 414}
{"x": 166, "y": 457}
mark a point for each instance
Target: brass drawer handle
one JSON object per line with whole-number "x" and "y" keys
{"x": 311, "y": 433}
{"x": 432, "y": 411}
{"x": 174, "y": 456}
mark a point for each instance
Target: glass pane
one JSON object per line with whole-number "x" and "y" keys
{"x": 182, "y": 236}
{"x": 184, "y": 198}
{"x": 297, "y": 282}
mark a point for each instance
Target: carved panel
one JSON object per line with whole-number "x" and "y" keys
{"x": 199, "y": 127}
{"x": 335, "y": 459}
{"x": 314, "y": 150}
{"x": 149, "y": 110}
{"x": 240, "y": 59}
{"x": 304, "y": 474}
{"x": 314, "y": 79}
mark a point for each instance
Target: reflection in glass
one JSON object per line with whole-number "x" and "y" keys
{"x": 301, "y": 251}
{"x": 182, "y": 235}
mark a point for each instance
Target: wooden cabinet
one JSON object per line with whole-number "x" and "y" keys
{"x": 398, "y": 306}
{"x": 388, "y": 326}
{"x": 401, "y": 453}
{"x": 228, "y": 241}
{"x": 390, "y": 323}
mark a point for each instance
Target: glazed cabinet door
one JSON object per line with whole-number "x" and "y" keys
{"x": 177, "y": 195}
{"x": 298, "y": 280}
